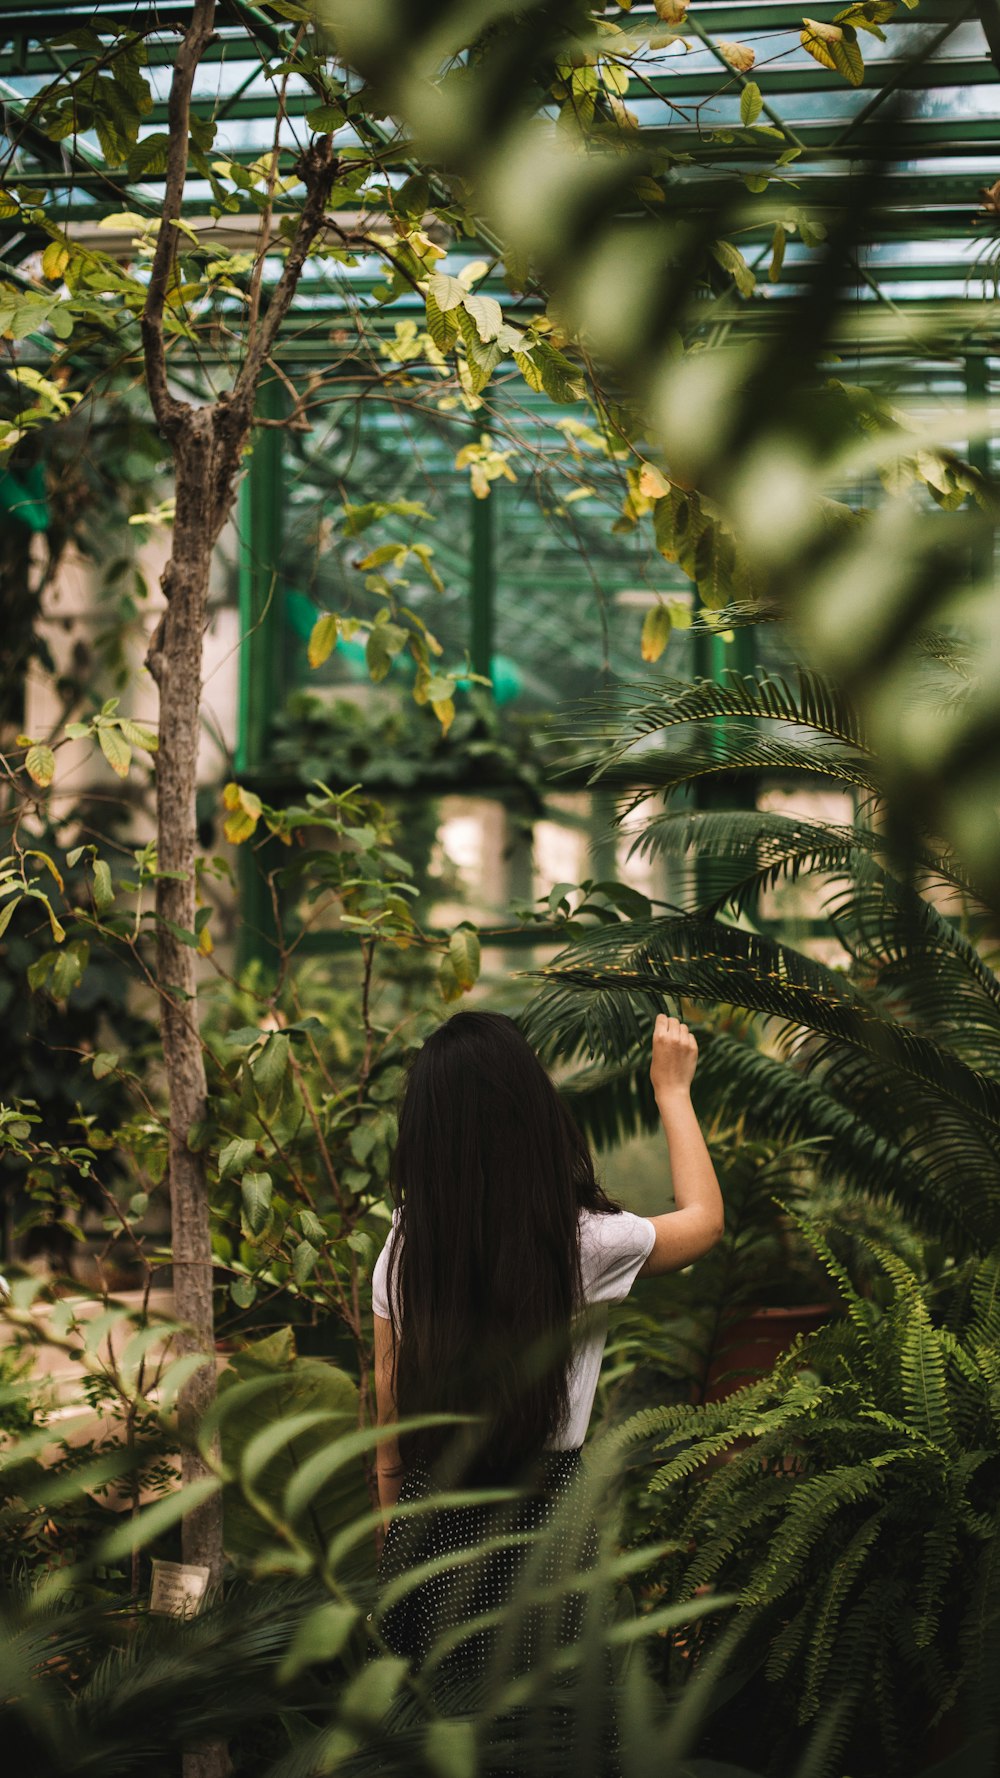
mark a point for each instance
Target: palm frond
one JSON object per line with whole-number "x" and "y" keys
{"x": 603, "y": 991}
{"x": 737, "y": 854}
{"x": 812, "y": 706}
{"x": 737, "y": 750}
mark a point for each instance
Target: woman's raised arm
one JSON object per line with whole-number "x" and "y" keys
{"x": 685, "y": 1233}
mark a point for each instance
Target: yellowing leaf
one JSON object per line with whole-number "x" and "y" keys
{"x": 115, "y": 748}
{"x": 487, "y": 315}
{"x": 447, "y": 292}
{"x": 739, "y": 56}
{"x": 55, "y": 259}
{"x": 444, "y": 710}
{"x": 129, "y": 219}
{"x": 323, "y": 639}
{"x": 138, "y": 735}
{"x": 651, "y": 483}
{"x": 834, "y": 46}
{"x": 464, "y": 953}
{"x": 656, "y": 627}
{"x": 732, "y": 261}
{"x": 448, "y": 982}
{"x": 245, "y": 813}
{"x": 40, "y": 764}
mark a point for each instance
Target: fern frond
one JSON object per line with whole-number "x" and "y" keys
{"x": 814, "y": 1504}
{"x": 986, "y": 1299}
{"x": 859, "y": 1311}
{"x": 939, "y": 1550}
{"x": 734, "y": 1529}
{"x": 826, "y": 1625}
{"x": 925, "y": 1385}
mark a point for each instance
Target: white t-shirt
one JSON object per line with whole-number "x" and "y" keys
{"x": 612, "y": 1251}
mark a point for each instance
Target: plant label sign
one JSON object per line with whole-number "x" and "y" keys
{"x": 178, "y": 1588}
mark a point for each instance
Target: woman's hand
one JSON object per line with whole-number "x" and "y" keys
{"x": 675, "y": 1058}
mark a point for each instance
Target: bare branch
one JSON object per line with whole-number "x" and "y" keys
{"x": 168, "y": 409}
{"x": 318, "y": 167}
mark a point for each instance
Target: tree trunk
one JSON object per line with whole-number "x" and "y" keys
{"x": 206, "y": 451}
{"x": 175, "y": 662}
{"x": 207, "y": 442}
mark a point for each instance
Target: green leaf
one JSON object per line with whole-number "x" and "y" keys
{"x": 487, "y": 315}
{"x": 115, "y": 748}
{"x": 464, "y": 956}
{"x": 40, "y": 764}
{"x": 751, "y": 103}
{"x": 732, "y": 261}
{"x": 254, "y": 1395}
{"x": 148, "y": 156}
{"x": 448, "y": 982}
{"x": 324, "y": 118}
{"x": 234, "y": 1156}
{"x": 67, "y": 970}
{"x": 243, "y": 1291}
{"x": 559, "y": 377}
{"x": 270, "y": 1066}
{"x": 104, "y": 891}
{"x": 362, "y": 1140}
{"x": 656, "y": 627}
{"x": 256, "y": 1190}
{"x": 447, "y": 292}
{"x": 367, "y": 1698}
{"x": 450, "y": 1749}
{"x": 138, "y": 735}
{"x": 105, "y": 1063}
{"x": 312, "y": 1228}
{"x": 320, "y": 1637}
{"x": 442, "y": 326}
{"x": 778, "y": 243}
{"x": 303, "y": 1260}
{"x": 323, "y": 639}
{"x": 383, "y": 645}
{"x": 7, "y": 912}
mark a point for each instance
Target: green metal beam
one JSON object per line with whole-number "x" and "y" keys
{"x": 261, "y": 664}
{"x": 910, "y": 139}
{"x": 44, "y": 17}
{"x": 482, "y": 583}
{"x": 961, "y": 71}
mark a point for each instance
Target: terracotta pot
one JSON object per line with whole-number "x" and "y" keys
{"x": 751, "y": 1344}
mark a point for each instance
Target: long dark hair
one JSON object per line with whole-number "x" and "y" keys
{"x": 490, "y": 1175}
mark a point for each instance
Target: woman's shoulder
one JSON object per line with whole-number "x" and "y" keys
{"x": 613, "y": 1246}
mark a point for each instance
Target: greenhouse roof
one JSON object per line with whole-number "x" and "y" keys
{"x": 931, "y": 86}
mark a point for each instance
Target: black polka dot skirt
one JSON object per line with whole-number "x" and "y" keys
{"x": 486, "y": 1582}
{"x": 476, "y": 1596}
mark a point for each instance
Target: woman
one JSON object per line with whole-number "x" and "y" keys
{"x": 490, "y": 1301}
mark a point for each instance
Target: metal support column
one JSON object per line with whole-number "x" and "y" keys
{"x": 977, "y": 389}
{"x": 261, "y": 505}
{"x": 482, "y": 584}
